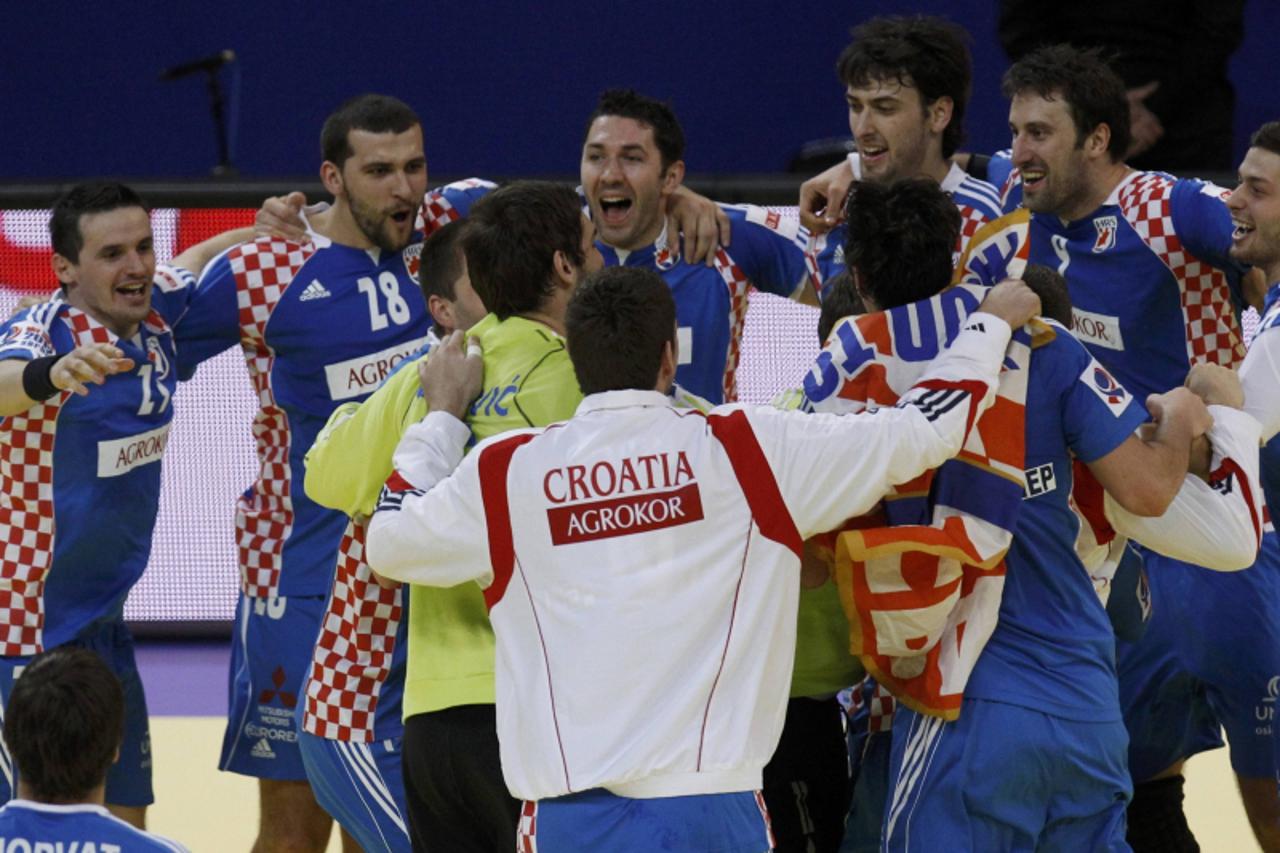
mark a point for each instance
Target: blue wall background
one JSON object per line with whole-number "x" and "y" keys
{"x": 503, "y": 87}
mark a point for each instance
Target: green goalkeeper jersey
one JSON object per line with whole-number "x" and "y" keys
{"x": 528, "y": 381}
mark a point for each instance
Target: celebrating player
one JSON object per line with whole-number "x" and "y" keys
{"x": 86, "y": 381}
{"x": 1060, "y": 697}
{"x": 321, "y": 321}
{"x": 352, "y": 727}
{"x": 1146, "y": 258}
{"x": 907, "y": 85}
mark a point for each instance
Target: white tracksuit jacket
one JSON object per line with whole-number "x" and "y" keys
{"x": 641, "y": 564}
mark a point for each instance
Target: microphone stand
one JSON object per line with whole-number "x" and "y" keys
{"x": 224, "y": 170}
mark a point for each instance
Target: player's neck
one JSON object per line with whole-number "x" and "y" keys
{"x": 340, "y": 226}
{"x": 1101, "y": 185}
{"x": 549, "y": 318}
{"x": 96, "y": 797}
{"x": 936, "y": 166}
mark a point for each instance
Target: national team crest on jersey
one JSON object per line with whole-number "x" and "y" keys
{"x": 412, "y": 256}
{"x": 1106, "y": 387}
{"x": 1106, "y": 227}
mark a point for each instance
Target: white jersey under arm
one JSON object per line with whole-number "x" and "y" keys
{"x": 1260, "y": 375}
{"x": 1216, "y": 525}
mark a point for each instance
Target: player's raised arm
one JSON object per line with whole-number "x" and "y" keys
{"x": 24, "y": 383}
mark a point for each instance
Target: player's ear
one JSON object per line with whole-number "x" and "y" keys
{"x": 673, "y": 177}
{"x": 1099, "y": 139}
{"x": 441, "y": 311}
{"x": 939, "y": 113}
{"x": 64, "y": 269}
{"x": 331, "y": 177}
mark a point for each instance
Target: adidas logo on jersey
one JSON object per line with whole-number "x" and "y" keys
{"x": 262, "y": 749}
{"x": 315, "y": 290}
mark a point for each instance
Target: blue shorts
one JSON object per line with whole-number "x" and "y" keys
{"x": 1003, "y": 778}
{"x": 360, "y": 785}
{"x": 270, "y": 658}
{"x": 602, "y": 822}
{"x": 129, "y": 779}
{"x": 1210, "y": 660}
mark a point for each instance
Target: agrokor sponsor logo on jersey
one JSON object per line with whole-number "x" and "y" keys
{"x": 358, "y": 376}
{"x": 121, "y": 455}
{"x": 610, "y": 498}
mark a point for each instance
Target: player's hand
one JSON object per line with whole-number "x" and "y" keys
{"x": 1012, "y": 301}
{"x": 1145, "y": 128}
{"x": 452, "y": 375}
{"x": 702, "y": 225}
{"x": 1181, "y": 409}
{"x": 89, "y": 363}
{"x": 822, "y": 198}
{"x": 1216, "y": 385}
{"x": 281, "y": 216}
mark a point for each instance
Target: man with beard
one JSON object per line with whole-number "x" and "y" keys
{"x": 321, "y": 321}
{"x": 1147, "y": 261}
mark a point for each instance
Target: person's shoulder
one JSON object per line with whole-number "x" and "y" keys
{"x": 33, "y": 329}
{"x": 758, "y": 222}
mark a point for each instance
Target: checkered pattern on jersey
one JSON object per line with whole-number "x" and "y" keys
{"x": 437, "y": 211}
{"x": 353, "y": 652}
{"x": 739, "y": 289}
{"x": 264, "y": 515}
{"x": 971, "y": 219}
{"x": 1211, "y": 328}
{"x": 26, "y": 507}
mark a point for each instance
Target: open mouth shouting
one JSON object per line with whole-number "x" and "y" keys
{"x": 1241, "y": 232}
{"x": 614, "y": 209}
{"x": 1033, "y": 177}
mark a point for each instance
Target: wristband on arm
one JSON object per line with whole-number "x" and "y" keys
{"x": 37, "y": 378}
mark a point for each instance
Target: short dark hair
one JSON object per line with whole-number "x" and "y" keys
{"x": 840, "y": 299}
{"x": 82, "y": 199}
{"x": 616, "y": 325}
{"x": 1267, "y": 137}
{"x": 901, "y": 239}
{"x": 442, "y": 262}
{"x": 927, "y": 52}
{"x": 63, "y": 723}
{"x": 372, "y": 113}
{"x": 1051, "y": 287}
{"x": 511, "y": 239}
{"x": 668, "y": 136}
{"x": 1093, "y": 92}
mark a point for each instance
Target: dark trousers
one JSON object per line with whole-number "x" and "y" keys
{"x": 454, "y": 792}
{"x": 806, "y": 783}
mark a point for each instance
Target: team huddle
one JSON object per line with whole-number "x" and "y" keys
{"x": 983, "y": 579}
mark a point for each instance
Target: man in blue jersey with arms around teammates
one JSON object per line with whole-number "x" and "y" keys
{"x": 352, "y": 730}
{"x": 1060, "y": 697}
{"x": 321, "y": 321}
{"x": 632, "y": 168}
{"x": 80, "y": 472}
{"x": 1154, "y": 290}
{"x": 64, "y": 720}
{"x": 907, "y": 82}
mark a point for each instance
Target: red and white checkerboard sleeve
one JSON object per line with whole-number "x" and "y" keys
{"x": 429, "y": 527}
{"x": 1218, "y": 524}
